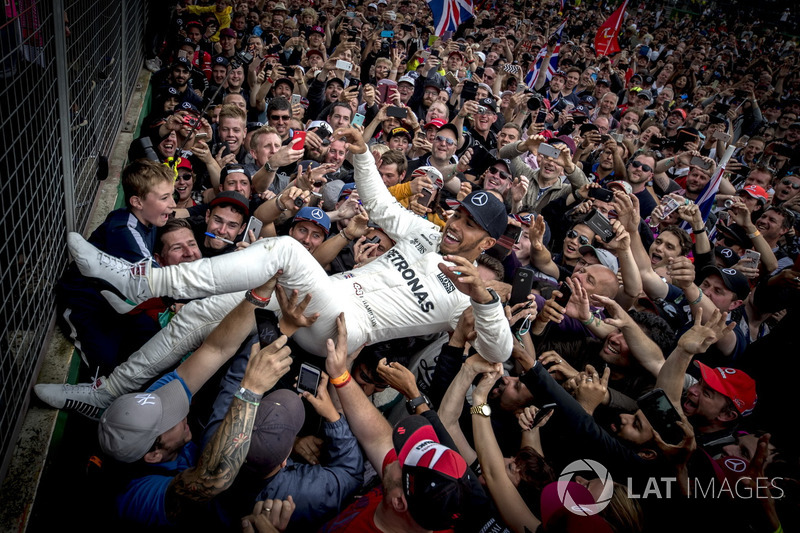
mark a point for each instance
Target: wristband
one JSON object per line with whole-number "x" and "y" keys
{"x": 588, "y": 322}
{"x": 702, "y": 230}
{"x": 248, "y": 396}
{"x": 697, "y": 301}
{"x": 278, "y": 203}
{"x": 341, "y": 381}
{"x": 255, "y": 299}
{"x": 755, "y": 234}
{"x": 343, "y": 233}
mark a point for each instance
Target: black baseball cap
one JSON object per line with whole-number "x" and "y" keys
{"x": 488, "y": 211}
{"x": 232, "y": 198}
{"x": 731, "y": 278}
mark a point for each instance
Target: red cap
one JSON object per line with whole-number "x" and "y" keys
{"x": 681, "y": 112}
{"x": 438, "y": 122}
{"x": 184, "y": 162}
{"x": 733, "y": 383}
{"x": 757, "y": 192}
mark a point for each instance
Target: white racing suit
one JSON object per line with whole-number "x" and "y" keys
{"x": 400, "y": 294}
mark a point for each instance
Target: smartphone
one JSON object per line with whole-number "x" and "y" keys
{"x": 549, "y": 151}
{"x": 521, "y": 287}
{"x": 226, "y": 149}
{"x": 541, "y": 116}
{"x": 255, "y": 225}
{"x": 354, "y": 83}
{"x": 351, "y": 14}
{"x": 183, "y": 53}
{"x": 617, "y": 137}
{"x": 267, "y": 326}
{"x": 470, "y": 91}
{"x": 295, "y": 33}
{"x": 722, "y": 136}
{"x": 480, "y": 71}
{"x": 397, "y": 112}
{"x": 308, "y": 380}
{"x": 566, "y": 294}
{"x": 344, "y": 65}
{"x": 495, "y": 40}
{"x": 662, "y": 415}
{"x": 600, "y": 225}
{"x": 426, "y": 196}
{"x": 299, "y": 135}
{"x": 201, "y": 136}
{"x": 387, "y": 34}
{"x": 502, "y": 248}
{"x": 451, "y": 79}
{"x": 383, "y": 88}
{"x": 296, "y": 99}
{"x": 700, "y": 163}
{"x": 358, "y": 120}
{"x": 543, "y": 412}
{"x": 406, "y": 27}
{"x": 604, "y": 195}
{"x": 670, "y": 205}
{"x": 753, "y": 257}
{"x": 586, "y": 128}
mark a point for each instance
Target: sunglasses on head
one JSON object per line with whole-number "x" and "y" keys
{"x": 582, "y": 239}
{"x": 495, "y": 170}
{"x": 791, "y": 184}
{"x": 448, "y": 140}
{"x": 638, "y": 164}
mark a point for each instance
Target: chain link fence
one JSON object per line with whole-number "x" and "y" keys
{"x": 68, "y": 70}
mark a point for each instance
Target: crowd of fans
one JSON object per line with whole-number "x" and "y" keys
{"x": 491, "y": 276}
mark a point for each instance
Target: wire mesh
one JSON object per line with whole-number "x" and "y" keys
{"x": 32, "y": 167}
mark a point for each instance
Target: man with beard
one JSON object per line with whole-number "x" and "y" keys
{"x": 178, "y": 76}
{"x": 639, "y": 171}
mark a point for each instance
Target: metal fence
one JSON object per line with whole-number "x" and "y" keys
{"x": 64, "y": 88}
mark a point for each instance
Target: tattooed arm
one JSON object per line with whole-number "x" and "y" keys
{"x": 227, "y": 449}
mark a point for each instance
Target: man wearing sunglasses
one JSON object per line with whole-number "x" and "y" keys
{"x": 786, "y": 189}
{"x": 443, "y": 148}
{"x": 639, "y": 171}
{"x": 498, "y": 177}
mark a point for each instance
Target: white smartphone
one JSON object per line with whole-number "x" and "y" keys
{"x": 549, "y": 151}
{"x": 722, "y": 136}
{"x": 753, "y": 257}
{"x": 344, "y": 65}
{"x": 255, "y": 225}
{"x": 296, "y": 99}
{"x": 308, "y": 380}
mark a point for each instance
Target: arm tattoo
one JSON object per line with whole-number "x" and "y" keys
{"x": 219, "y": 462}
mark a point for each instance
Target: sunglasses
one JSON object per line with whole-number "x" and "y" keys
{"x": 631, "y": 130}
{"x": 582, "y": 239}
{"x": 185, "y": 177}
{"x": 639, "y": 164}
{"x": 448, "y": 140}
{"x": 282, "y": 118}
{"x": 495, "y": 170}
{"x": 791, "y": 184}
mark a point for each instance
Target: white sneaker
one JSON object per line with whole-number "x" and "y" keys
{"x": 130, "y": 279}
{"x": 153, "y": 65}
{"x": 88, "y": 399}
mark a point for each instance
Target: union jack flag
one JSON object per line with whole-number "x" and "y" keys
{"x": 708, "y": 197}
{"x": 533, "y": 73}
{"x": 448, "y": 15}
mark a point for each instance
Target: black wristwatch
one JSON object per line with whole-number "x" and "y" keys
{"x": 268, "y": 167}
{"x": 411, "y": 405}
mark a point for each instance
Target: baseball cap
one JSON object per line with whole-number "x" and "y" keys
{"x": 219, "y": 60}
{"x": 400, "y": 131}
{"x": 436, "y": 480}
{"x": 480, "y": 55}
{"x": 755, "y": 191}
{"x": 433, "y": 174}
{"x": 603, "y": 81}
{"x": 314, "y": 51}
{"x": 589, "y": 101}
{"x": 321, "y": 124}
{"x": 227, "y": 32}
{"x": 732, "y": 383}
{"x": 316, "y": 29}
{"x": 334, "y": 80}
{"x": 287, "y": 81}
{"x": 279, "y": 418}
{"x": 232, "y": 198}
{"x": 623, "y": 185}
{"x": 232, "y": 168}
{"x": 450, "y": 126}
{"x": 437, "y": 123}
{"x": 645, "y": 94}
{"x": 487, "y": 211}
{"x": 728, "y": 256}
{"x": 735, "y": 233}
{"x": 190, "y": 107}
{"x": 182, "y": 62}
{"x": 494, "y": 160}
{"x": 605, "y": 257}
{"x": 183, "y": 162}
{"x": 679, "y": 111}
{"x": 407, "y": 79}
{"x": 330, "y": 194}
{"x": 488, "y": 102}
{"x": 648, "y": 80}
{"x": 315, "y": 215}
{"x": 133, "y": 422}
{"x": 569, "y": 141}
{"x": 731, "y": 278}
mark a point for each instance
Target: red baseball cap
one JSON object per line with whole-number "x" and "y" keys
{"x": 437, "y": 122}
{"x": 757, "y": 192}
{"x": 733, "y": 383}
{"x": 681, "y": 112}
{"x": 184, "y": 162}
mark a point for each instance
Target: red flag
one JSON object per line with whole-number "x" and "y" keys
{"x": 605, "y": 42}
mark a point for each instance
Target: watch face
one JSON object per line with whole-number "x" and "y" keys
{"x": 486, "y": 410}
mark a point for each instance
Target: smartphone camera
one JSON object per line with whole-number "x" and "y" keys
{"x": 298, "y": 202}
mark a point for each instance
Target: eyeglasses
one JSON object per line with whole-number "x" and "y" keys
{"x": 791, "y": 184}
{"x": 448, "y": 140}
{"x": 185, "y": 177}
{"x": 495, "y": 170}
{"x": 639, "y": 164}
{"x": 582, "y": 239}
{"x": 631, "y": 130}
{"x": 280, "y": 118}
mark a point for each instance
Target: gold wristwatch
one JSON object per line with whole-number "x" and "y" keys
{"x": 482, "y": 409}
